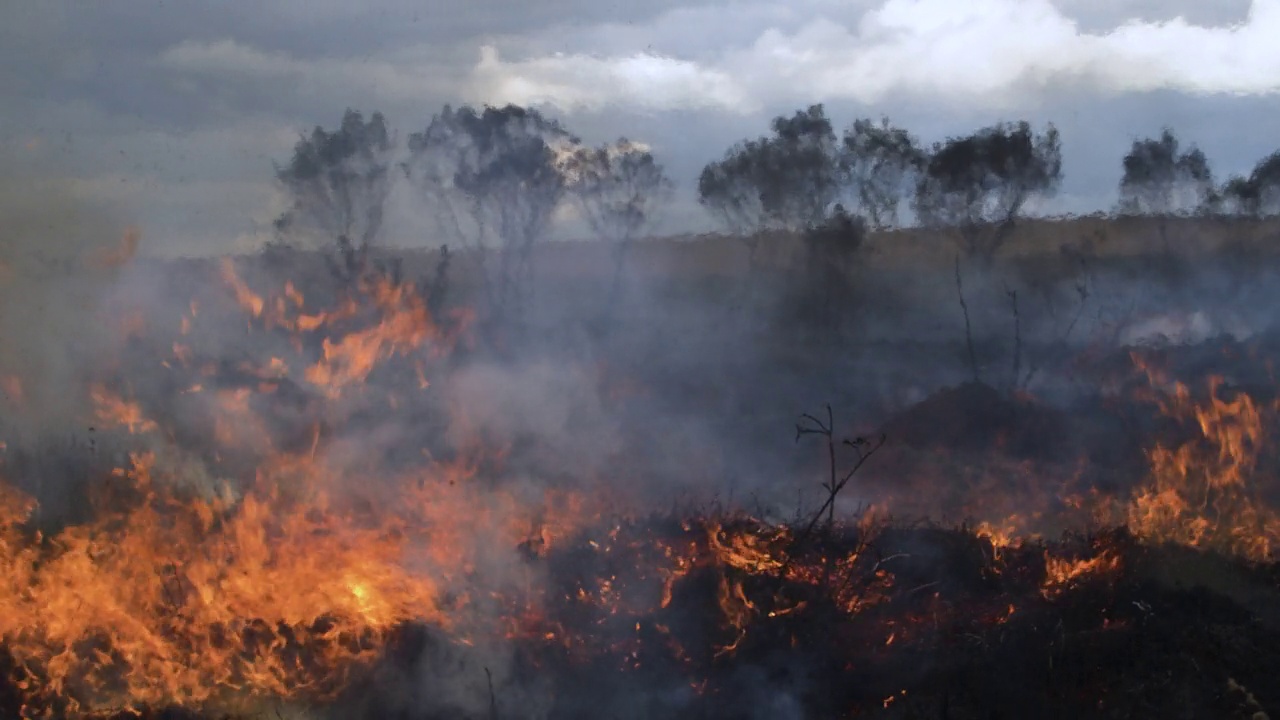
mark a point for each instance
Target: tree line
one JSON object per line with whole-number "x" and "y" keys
{"x": 979, "y": 184}
{"x": 494, "y": 179}
{"x": 497, "y": 176}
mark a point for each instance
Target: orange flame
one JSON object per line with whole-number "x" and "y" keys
{"x": 1205, "y": 492}
{"x": 114, "y": 410}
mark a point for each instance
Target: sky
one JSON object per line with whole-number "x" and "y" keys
{"x": 168, "y": 114}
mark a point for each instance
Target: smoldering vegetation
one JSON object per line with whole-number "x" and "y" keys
{"x": 614, "y": 504}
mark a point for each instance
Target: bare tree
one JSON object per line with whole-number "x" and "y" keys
{"x": 981, "y": 183}
{"x": 879, "y": 162}
{"x": 620, "y": 188}
{"x": 493, "y": 178}
{"x": 338, "y": 184}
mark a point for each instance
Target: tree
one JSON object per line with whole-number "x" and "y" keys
{"x": 1159, "y": 180}
{"x": 802, "y": 169}
{"x": 878, "y": 163}
{"x": 729, "y": 189}
{"x": 825, "y": 288}
{"x": 786, "y": 181}
{"x": 980, "y": 183}
{"x": 494, "y": 177}
{"x": 338, "y": 184}
{"x": 1257, "y": 195}
{"x": 620, "y": 188}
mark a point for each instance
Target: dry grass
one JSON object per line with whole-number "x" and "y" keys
{"x": 1108, "y": 238}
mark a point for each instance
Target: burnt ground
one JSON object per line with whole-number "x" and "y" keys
{"x": 954, "y": 633}
{"x": 948, "y": 626}
{"x": 945, "y": 625}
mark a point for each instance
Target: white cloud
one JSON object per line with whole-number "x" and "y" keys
{"x": 986, "y": 51}
{"x": 1243, "y": 60}
{"x": 582, "y": 82}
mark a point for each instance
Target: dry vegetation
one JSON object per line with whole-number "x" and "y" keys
{"x": 308, "y": 496}
{"x": 1036, "y": 244}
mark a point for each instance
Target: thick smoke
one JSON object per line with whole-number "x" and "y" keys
{"x": 686, "y": 398}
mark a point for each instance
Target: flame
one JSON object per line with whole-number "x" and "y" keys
{"x": 1206, "y": 491}
{"x": 113, "y": 410}
{"x": 405, "y": 326}
{"x": 1061, "y": 573}
{"x": 208, "y": 595}
{"x": 247, "y": 298}
{"x": 180, "y": 600}
{"x": 286, "y": 575}
{"x": 1002, "y": 537}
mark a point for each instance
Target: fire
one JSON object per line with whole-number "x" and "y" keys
{"x": 175, "y": 600}
{"x": 114, "y": 410}
{"x": 248, "y": 299}
{"x": 1206, "y": 491}
{"x": 1000, "y": 537}
{"x": 214, "y": 595}
{"x": 405, "y": 326}
{"x": 236, "y": 424}
{"x": 1060, "y": 573}
{"x": 286, "y": 571}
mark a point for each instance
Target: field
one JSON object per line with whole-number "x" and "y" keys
{"x": 249, "y": 487}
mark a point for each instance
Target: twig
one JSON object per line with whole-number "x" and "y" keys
{"x": 864, "y": 449}
{"x": 493, "y": 699}
{"x": 827, "y": 430}
{"x": 1083, "y": 292}
{"x": 968, "y": 328}
{"x": 925, "y": 586}
{"x": 863, "y": 457}
{"x": 1017, "y": 339}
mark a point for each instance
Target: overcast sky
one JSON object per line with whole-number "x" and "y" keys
{"x": 170, "y": 113}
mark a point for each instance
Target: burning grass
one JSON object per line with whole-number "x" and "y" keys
{"x": 253, "y": 551}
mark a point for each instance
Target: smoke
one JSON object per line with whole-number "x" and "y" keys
{"x": 687, "y": 393}
{"x": 60, "y": 253}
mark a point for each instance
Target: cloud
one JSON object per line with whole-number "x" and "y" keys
{"x": 173, "y": 116}
{"x": 1100, "y": 16}
{"x": 987, "y": 51}
{"x": 643, "y": 80}
{"x": 242, "y": 77}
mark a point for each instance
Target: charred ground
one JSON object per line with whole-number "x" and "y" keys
{"x": 611, "y": 516}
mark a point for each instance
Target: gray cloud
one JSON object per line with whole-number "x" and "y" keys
{"x": 1102, "y": 15}
{"x": 173, "y": 112}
